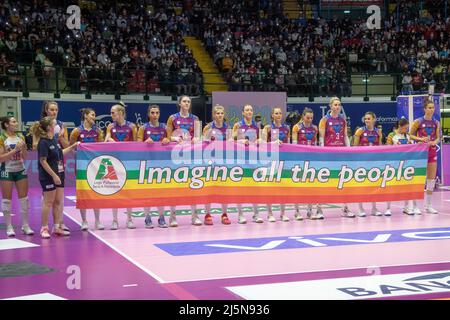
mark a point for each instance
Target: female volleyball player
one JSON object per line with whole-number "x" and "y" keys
{"x": 305, "y": 133}
{"x": 184, "y": 126}
{"x": 88, "y": 132}
{"x": 151, "y": 132}
{"x": 400, "y": 135}
{"x": 119, "y": 131}
{"x": 217, "y": 130}
{"x": 51, "y": 174}
{"x": 50, "y": 109}
{"x": 368, "y": 135}
{"x": 333, "y": 133}
{"x": 278, "y": 132}
{"x": 426, "y": 129}
{"x": 247, "y": 131}
{"x": 13, "y": 152}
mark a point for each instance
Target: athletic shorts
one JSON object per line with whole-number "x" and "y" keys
{"x": 13, "y": 176}
{"x": 49, "y": 185}
{"x": 432, "y": 154}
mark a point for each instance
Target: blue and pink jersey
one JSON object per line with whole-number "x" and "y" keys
{"x": 218, "y": 133}
{"x": 178, "y": 122}
{"x": 87, "y": 136}
{"x": 278, "y": 133}
{"x": 122, "y": 133}
{"x": 155, "y": 133}
{"x": 369, "y": 137}
{"x": 335, "y": 131}
{"x": 248, "y": 131}
{"x": 307, "y": 135}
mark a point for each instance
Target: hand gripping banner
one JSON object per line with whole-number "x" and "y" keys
{"x": 137, "y": 174}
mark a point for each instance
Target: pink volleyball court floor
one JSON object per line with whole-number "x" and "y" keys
{"x": 397, "y": 257}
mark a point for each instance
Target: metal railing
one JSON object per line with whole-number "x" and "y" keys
{"x": 28, "y": 78}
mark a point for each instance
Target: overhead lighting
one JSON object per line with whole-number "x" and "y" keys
{"x": 346, "y": 11}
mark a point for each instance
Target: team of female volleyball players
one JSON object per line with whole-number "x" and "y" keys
{"x": 50, "y": 139}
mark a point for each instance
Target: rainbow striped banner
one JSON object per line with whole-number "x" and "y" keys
{"x": 136, "y": 174}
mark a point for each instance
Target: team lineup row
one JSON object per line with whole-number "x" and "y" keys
{"x": 52, "y": 142}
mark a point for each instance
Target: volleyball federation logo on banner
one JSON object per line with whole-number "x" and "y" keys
{"x": 106, "y": 175}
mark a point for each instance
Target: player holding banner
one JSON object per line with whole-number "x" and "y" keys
{"x": 305, "y": 133}
{"x": 401, "y": 136}
{"x": 118, "y": 131}
{"x": 217, "y": 130}
{"x": 151, "y": 132}
{"x": 333, "y": 133}
{"x": 280, "y": 133}
{"x": 247, "y": 131}
{"x": 368, "y": 136}
{"x": 184, "y": 126}
{"x": 87, "y": 132}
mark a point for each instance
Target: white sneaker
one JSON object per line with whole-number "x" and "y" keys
{"x": 44, "y": 233}
{"x": 27, "y": 230}
{"x": 376, "y": 213}
{"x": 319, "y": 214}
{"x": 430, "y": 209}
{"x": 84, "y": 226}
{"x": 361, "y": 214}
{"x": 99, "y": 226}
{"x": 388, "y": 213}
{"x": 59, "y": 231}
{"x": 173, "y": 220}
{"x": 309, "y": 213}
{"x": 242, "y": 219}
{"x": 256, "y": 218}
{"x": 130, "y": 224}
{"x": 313, "y": 216}
{"x": 271, "y": 218}
{"x": 10, "y": 231}
{"x": 115, "y": 225}
{"x": 417, "y": 211}
{"x": 65, "y": 228}
{"x": 298, "y": 216}
{"x": 284, "y": 218}
{"x": 346, "y": 213}
{"x": 196, "y": 221}
{"x": 408, "y": 211}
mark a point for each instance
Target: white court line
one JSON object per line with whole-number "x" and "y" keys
{"x": 8, "y": 244}
{"x": 137, "y": 264}
{"x": 39, "y": 296}
{"x": 130, "y": 285}
{"x": 72, "y": 198}
{"x": 1, "y": 214}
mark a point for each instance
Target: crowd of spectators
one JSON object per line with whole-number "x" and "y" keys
{"x": 122, "y": 48}
{"x": 140, "y": 48}
{"x": 271, "y": 52}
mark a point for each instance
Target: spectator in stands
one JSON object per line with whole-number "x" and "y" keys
{"x": 417, "y": 81}
{"x": 227, "y": 63}
{"x": 407, "y": 87}
{"x": 4, "y": 66}
{"x": 47, "y": 69}
{"x": 102, "y": 58}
